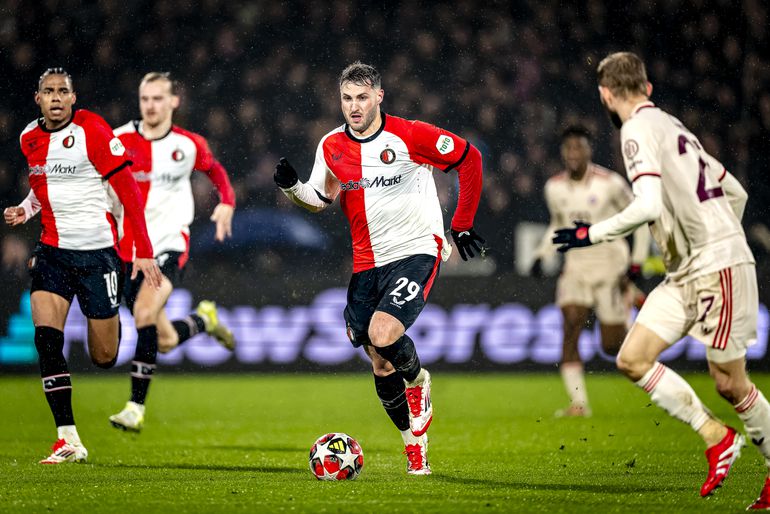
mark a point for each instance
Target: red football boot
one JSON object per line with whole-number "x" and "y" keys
{"x": 721, "y": 457}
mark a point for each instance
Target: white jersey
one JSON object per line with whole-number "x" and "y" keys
{"x": 386, "y": 187}
{"x": 162, "y": 169}
{"x": 68, "y": 172}
{"x": 600, "y": 194}
{"x": 697, "y": 231}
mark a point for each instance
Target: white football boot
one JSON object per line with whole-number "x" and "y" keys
{"x": 66, "y": 452}
{"x": 420, "y": 406}
{"x": 416, "y": 451}
{"x": 131, "y": 418}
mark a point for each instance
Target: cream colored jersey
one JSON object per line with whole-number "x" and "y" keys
{"x": 697, "y": 232}
{"x": 600, "y": 194}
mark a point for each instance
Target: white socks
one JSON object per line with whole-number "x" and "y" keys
{"x": 69, "y": 433}
{"x": 574, "y": 383}
{"x": 754, "y": 411}
{"x": 670, "y": 392}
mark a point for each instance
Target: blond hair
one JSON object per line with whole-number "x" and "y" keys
{"x": 623, "y": 73}
{"x": 154, "y": 76}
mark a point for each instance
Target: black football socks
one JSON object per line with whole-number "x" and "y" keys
{"x": 143, "y": 365}
{"x": 57, "y": 385}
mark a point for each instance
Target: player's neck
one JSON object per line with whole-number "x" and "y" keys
{"x": 578, "y": 175}
{"x": 156, "y": 131}
{"x": 627, "y": 106}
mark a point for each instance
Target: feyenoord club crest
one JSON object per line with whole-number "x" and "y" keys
{"x": 177, "y": 155}
{"x": 69, "y": 141}
{"x": 387, "y": 156}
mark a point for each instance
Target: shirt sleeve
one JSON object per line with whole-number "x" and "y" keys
{"x": 547, "y": 248}
{"x": 438, "y": 147}
{"x": 646, "y": 207}
{"x": 31, "y": 205}
{"x": 322, "y": 178}
{"x": 105, "y": 151}
{"x": 641, "y": 150}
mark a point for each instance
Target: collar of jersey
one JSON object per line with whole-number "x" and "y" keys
{"x": 41, "y": 124}
{"x": 136, "y": 127}
{"x": 370, "y": 138}
{"x": 642, "y": 105}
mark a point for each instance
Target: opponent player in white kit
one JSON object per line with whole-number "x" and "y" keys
{"x": 164, "y": 156}
{"x": 591, "y": 278}
{"x": 72, "y": 155}
{"x": 694, "y": 207}
{"x": 381, "y": 167}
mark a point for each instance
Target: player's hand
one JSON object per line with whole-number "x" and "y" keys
{"x": 14, "y": 216}
{"x": 149, "y": 267}
{"x": 576, "y": 237}
{"x": 466, "y": 241}
{"x": 537, "y": 269}
{"x": 223, "y": 217}
{"x": 285, "y": 175}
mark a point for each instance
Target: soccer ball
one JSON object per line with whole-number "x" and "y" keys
{"x": 336, "y": 456}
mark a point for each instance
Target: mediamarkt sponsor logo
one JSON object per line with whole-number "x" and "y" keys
{"x": 279, "y": 335}
{"x": 364, "y": 183}
{"x": 56, "y": 169}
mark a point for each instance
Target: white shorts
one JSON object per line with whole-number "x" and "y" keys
{"x": 604, "y": 296}
{"x": 719, "y": 309}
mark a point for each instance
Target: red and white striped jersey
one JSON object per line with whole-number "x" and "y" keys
{"x": 387, "y": 190}
{"x": 162, "y": 169}
{"x": 68, "y": 169}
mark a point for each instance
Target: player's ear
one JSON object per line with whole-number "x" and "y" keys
{"x": 649, "y": 89}
{"x": 380, "y": 96}
{"x": 74, "y": 98}
{"x": 37, "y": 97}
{"x": 174, "y": 101}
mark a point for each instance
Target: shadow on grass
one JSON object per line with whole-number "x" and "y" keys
{"x": 591, "y": 488}
{"x": 207, "y": 467}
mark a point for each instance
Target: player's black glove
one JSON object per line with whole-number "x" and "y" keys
{"x": 285, "y": 175}
{"x": 537, "y": 269}
{"x": 572, "y": 237}
{"x": 466, "y": 241}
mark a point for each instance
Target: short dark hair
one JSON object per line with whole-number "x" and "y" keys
{"x": 576, "y": 131}
{"x": 161, "y": 75}
{"x": 54, "y": 71}
{"x": 623, "y": 73}
{"x": 361, "y": 74}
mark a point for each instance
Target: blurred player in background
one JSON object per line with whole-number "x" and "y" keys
{"x": 694, "y": 207}
{"x": 592, "y": 278}
{"x": 164, "y": 157}
{"x": 381, "y": 167}
{"x": 71, "y": 156}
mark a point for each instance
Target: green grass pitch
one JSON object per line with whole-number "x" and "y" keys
{"x": 240, "y": 443}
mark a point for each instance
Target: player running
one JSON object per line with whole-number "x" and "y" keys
{"x": 71, "y": 156}
{"x": 164, "y": 157}
{"x": 694, "y": 207}
{"x": 592, "y": 278}
{"x": 380, "y": 166}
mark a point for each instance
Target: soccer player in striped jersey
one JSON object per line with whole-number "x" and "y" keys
{"x": 693, "y": 207}
{"x": 72, "y": 155}
{"x": 592, "y": 278}
{"x": 381, "y": 168}
{"x": 164, "y": 157}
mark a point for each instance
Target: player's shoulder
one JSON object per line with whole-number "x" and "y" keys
{"x": 332, "y": 136}
{"x": 87, "y": 119}
{"x": 128, "y": 128}
{"x": 32, "y": 125}
{"x": 603, "y": 173}
{"x": 176, "y": 129}
{"x": 558, "y": 178}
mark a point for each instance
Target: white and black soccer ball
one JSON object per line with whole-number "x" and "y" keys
{"x": 336, "y": 456}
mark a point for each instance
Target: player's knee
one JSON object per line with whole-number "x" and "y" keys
{"x": 732, "y": 389}
{"x": 144, "y": 316}
{"x": 380, "y": 336}
{"x": 632, "y": 368}
{"x": 167, "y": 343}
{"x": 104, "y": 359}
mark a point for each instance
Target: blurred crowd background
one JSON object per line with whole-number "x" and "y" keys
{"x": 259, "y": 80}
